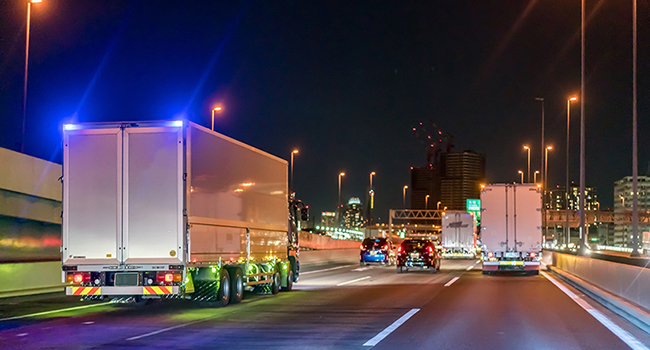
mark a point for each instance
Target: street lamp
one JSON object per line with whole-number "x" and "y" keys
{"x": 29, "y": 18}
{"x": 371, "y": 175}
{"x": 295, "y": 151}
{"x": 635, "y": 164}
{"x": 522, "y": 175}
{"x": 426, "y": 202}
{"x": 215, "y": 109}
{"x": 566, "y": 189}
{"x": 404, "y": 195}
{"x": 340, "y": 175}
{"x": 535, "y": 176}
{"x": 542, "y": 145}
{"x": 372, "y": 199}
{"x": 438, "y": 206}
{"x": 528, "y": 173}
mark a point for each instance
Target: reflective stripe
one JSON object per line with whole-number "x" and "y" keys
{"x": 155, "y": 290}
{"x": 511, "y": 262}
{"x": 86, "y": 290}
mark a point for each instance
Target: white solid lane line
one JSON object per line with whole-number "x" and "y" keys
{"x": 469, "y": 268}
{"x": 622, "y": 334}
{"x": 383, "y": 334}
{"x": 357, "y": 280}
{"x": 167, "y": 329}
{"x": 51, "y": 312}
{"x": 452, "y": 281}
{"x": 330, "y": 269}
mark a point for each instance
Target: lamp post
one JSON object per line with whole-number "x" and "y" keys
{"x": 372, "y": 198}
{"x": 528, "y": 173}
{"x": 426, "y": 202}
{"x": 522, "y": 175}
{"x": 566, "y": 189}
{"x": 29, "y": 20}
{"x": 340, "y": 176}
{"x": 295, "y": 151}
{"x": 635, "y": 165}
{"x": 535, "y": 176}
{"x": 404, "y": 195}
{"x": 438, "y": 205}
{"x": 215, "y": 109}
{"x": 544, "y": 185}
{"x": 542, "y": 145}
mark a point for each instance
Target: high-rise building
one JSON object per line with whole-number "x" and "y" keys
{"x": 328, "y": 219}
{"x": 457, "y": 178}
{"x": 555, "y": 198}
{"x": 623, "y": 204}
{"x": 353, "y": 218}
{"x": 463, "y": 174}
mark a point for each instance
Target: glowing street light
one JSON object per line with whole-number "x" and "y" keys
{"x": 535, "y": 176}
{"x": 404, "y": 195}
{"x": 215, "y": 109}
{"x": 426, "y": 202}
{"x": 522, "y": 175}
{"x": 295, "y": 151}
{"x": 340, "y": 176}
{"x": 29, "y": 17}
{"x": 528, "y": 176}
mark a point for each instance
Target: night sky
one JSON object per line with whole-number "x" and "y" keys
{"x": 342, "y": 81}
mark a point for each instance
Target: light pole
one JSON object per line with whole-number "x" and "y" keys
{"x": 528, "y": 173}
{"x": 635, "y": 165}
{"x": 522, "y": 176}
{"x": 215, "y": 109}
{"x": 371, "y": 175}
{"x": 542, "y": 145}
{"x": 545, "y": 184}
{"x": 535, "y": 176}
{"x": 438, "y": 206}
{"x": 295, "y": 151}
{"x": 372, "y": 197}
{"x": 426, "y": 202}
{"x": 338, "y": 209}
{"x": 29, "y": 20}
{"x": 566, "y": 189}
{"x": 404, "y": 195}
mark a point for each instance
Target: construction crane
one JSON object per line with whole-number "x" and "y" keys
{"x": 435, "y": 141}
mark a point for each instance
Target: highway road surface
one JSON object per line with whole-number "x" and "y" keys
{"x": 338, "y": 307}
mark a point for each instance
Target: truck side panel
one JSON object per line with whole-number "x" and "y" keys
{"x": 153, "y": 190}
{"x": 92, "y": 196}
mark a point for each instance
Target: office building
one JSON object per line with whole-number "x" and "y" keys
{"x": 623, "y": 205}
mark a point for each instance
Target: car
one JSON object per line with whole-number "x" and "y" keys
{"x": 377, "y": 250}
{"x": 418, "y": 254}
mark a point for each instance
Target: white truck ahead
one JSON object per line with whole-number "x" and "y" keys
{"x": 173, "y": 210}
{"x": 511, "y": 227}
{"x": 458, "y": 235}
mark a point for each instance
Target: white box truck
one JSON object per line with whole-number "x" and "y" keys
{"x": 173, "y": 210}
{"x": 458, "y": 235}
{"x": 511, "y": 227}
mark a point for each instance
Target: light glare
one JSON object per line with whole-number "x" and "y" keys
{"x": 69, "y": 126}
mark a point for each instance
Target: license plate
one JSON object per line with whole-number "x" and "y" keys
{"x": 511, "y": 254}
{"x": 415, "y": 255}
{"x": 373, "y": 252}
{"x": 126, "y": 279}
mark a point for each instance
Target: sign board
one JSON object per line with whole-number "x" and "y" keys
{"x": 474, "y": 207}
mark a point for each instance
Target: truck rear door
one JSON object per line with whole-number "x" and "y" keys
{"x": 494, "y": 218}
{"x": 123, "y": 195}
{"x": 528, "y": 204}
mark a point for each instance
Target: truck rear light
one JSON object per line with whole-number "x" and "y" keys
{"x": 532, "y": 254}
{"x": 178, "y": 277}
{"x": 490, "y": 254}
{"x": 81, "y": 277}
{"x": 169, "y": 277}
{"x": 69, "y": 278}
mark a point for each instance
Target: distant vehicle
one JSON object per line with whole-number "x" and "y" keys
{"x": 511, "y": 228}
{"x": 171, "y": 209}
{"x": 418, "y": 254}
{"x": 377, "y": 250}
{"x": 458, "y": 235}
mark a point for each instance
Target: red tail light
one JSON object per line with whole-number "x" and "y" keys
{"x": 361, "y": 247}
{"x": 386, "y": 247}
{"x": 532, "y": 254}
{"x": 399, "y": 250}
{"x": 490, "y": 254}
{"x": 80, "y": 277}
{"x": 169, "y": 277}
{"x": 430, "y": 249}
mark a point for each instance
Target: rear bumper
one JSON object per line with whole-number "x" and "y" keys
{"x": 374, "y": 258}
{"x": 511, "y": 265}
{"x": 149, "y": 290}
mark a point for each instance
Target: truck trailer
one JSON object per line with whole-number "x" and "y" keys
{"x": 511, "y": 227}
{"x": 458, "y": 235}
{"x": 171, "y": 209}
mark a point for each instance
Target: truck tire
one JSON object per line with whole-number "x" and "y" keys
{"x": 275, "y": 285}
{"x": 223, "y": 295}
{"x": 236, "y": 286}
{"x": 289, "y": 281}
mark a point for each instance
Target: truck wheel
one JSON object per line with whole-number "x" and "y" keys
{"x": 223, "y": 295}
{"x": 236, "y": 286}
{"x": 275, "y": 286}
{"x": 289, "y": 281}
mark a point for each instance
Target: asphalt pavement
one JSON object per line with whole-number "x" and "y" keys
{"x": 336, "y": 307}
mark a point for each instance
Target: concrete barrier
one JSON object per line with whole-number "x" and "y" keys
{"x": 326, "y": 256}
{"x": 30, "y": 278}
{"x": 316, "y": 241}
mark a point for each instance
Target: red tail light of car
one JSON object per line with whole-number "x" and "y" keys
{"x": 361, "y": 247}
{"x": 490, "y": 254}
{"x": 385, "y": 247}
{"x": 430, "y": 249}
{"x": 399, "y": 250}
